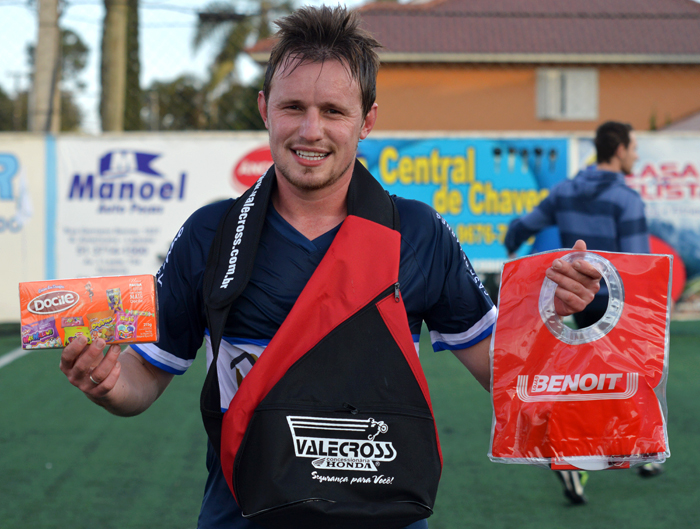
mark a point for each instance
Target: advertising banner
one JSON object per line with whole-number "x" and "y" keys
{"x": 121, "y": 200}
{"x": 78, "y": 206}
{"x": 668, "y": 178}
{"x": 22, "y": 221}
{"x": 478, "y": 185}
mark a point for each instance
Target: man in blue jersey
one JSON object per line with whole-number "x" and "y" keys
{"x": 598, "y": 207}
{"x": 318, "y": 102}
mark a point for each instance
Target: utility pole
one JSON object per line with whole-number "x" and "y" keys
{"x": 114, "y": 65}
{"x": 153, "y": 110}
{"x": 16, "y": 110}
{"x": 45, "y": 98}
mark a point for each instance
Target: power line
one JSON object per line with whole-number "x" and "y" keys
{"x": 170, "y": 7}
{"x": 142, "y": 25}
{"x": 220, "y": 16}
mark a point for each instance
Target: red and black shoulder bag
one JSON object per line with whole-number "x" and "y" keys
{"x": 333, "y": 426}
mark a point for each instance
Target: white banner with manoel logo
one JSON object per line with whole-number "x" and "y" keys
{"x": 120, "y": 200}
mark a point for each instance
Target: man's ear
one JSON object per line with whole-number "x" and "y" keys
{"x": 262, "y": 107}
{"x": 620, "y": 151}
{"x": 370, "y": 120}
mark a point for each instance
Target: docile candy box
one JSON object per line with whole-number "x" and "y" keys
{"x": 119, "y": 309}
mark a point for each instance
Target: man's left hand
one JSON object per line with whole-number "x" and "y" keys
{"x": 577, "y": 283}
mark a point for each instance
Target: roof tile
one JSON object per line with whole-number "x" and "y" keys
{"x": 534, "y": 27}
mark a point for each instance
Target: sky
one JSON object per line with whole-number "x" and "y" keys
{"x": 166, "y": 34}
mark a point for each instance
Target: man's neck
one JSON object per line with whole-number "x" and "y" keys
{"x": 312, "y": 213}
{"x": 613, "y": 166}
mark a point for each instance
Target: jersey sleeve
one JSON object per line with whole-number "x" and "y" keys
{"x": 179, "y": 283}
{"x": 455, "y": 305}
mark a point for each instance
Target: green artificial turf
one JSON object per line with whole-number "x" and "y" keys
{"x": 475, "y": 492}
{"x": 66, "y": 463}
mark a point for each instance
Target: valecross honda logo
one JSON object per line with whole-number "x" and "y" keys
{"x": 569, "y": 388}
{"x": 341, "y": 444}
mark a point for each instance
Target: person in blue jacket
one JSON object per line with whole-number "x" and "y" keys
{"x": 595, "y": 206}
{"x": 598, "y": 207}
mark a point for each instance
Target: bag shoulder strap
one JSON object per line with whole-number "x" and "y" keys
{"x": 232, "y": 256}
{"x": 228, "y": 270}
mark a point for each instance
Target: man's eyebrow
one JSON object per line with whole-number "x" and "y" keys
{"x": 289, "y": 101}
{"x": 292, "y": 101}
{"x": 340, "y": 105}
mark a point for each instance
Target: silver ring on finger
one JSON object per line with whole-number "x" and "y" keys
{"x": 93, "y": 380}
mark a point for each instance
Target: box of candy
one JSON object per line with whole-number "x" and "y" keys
{"x": 119, "y": 309}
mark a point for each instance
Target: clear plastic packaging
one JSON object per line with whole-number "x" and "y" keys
{"x": 592, "y": 398}
{"x": 118, "y": 309}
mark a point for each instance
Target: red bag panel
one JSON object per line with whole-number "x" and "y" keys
{"x": 336, "y": 295}
{"x": 394, "y": 316}
{"x": 554, "y": 401}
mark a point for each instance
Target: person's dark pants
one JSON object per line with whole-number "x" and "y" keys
{"x": 594, "y": 311}
{"x": 587, "y": 318}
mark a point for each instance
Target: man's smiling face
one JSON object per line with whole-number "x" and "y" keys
{"x": 315, "y": 120}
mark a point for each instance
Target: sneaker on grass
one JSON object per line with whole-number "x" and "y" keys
{"x": 649, "y": 470}
{"x": 574, "y": 481}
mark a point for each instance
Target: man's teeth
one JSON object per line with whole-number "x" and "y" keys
{"x": 311, "y": 155}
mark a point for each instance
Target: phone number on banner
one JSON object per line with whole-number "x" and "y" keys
{"x": 481, "y": 233}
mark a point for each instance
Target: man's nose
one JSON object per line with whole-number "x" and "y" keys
{"x": 311, "y": 127}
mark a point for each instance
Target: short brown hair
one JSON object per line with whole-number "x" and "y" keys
{"x": 313, "y": 34}
{"x": 608, "y": 137}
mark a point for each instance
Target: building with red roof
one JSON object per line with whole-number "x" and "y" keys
{"x": 533, "y": 65}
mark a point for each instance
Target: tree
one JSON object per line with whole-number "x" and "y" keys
{"x": 235, "y": 31}
{"x": 16, "y": 111}
{"x": 237, "y": 109}
{"x": 73, "y": 58}
{"x": 73, "y": 61}
{"x": 179, "y": 104}
{"x": 71, "y": 115}
{"x": 44, "y": 104}
{"x": 113, "y": 66}
{"x": 7, "y": 111}
{"x": 132, "y": 106}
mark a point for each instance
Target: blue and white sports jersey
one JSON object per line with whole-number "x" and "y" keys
{"x": 437, "y": 283}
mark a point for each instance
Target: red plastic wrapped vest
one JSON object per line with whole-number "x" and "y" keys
{"x": 591, "y": 398}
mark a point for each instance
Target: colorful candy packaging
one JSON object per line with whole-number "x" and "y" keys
{"x": 125, "y": 325}
{"x": 71, "y": 333}
{"x": 41, "y": 334}
{"x": 102, "y": 325}
{"x": 120, "y": 309}
{"x": 114, "y": 300}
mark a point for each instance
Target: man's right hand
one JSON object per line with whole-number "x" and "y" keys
{"x": 88, "y": 370}
{"x": 122, "y": 382}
